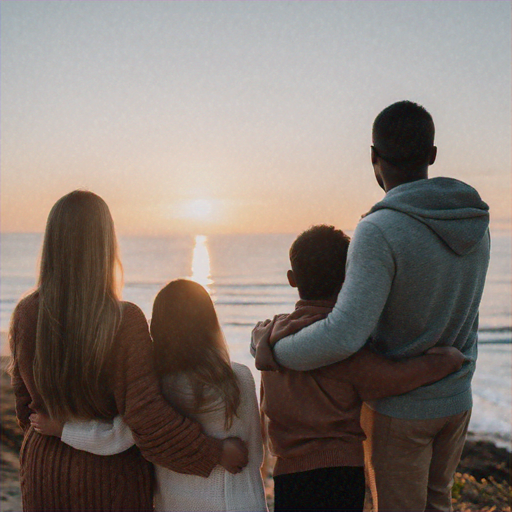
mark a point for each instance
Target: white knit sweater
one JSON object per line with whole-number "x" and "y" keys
{"x": 221, "y": 491}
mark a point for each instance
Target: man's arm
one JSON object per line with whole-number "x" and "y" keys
{"x": 375, "y": 376}
{"x": 370, "y": 272}
{"x": 279, "y": 327}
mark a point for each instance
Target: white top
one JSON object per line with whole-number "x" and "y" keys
{"x": 221, "y": 491}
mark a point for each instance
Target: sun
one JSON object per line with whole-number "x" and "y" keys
{"x": 196, "y": 209}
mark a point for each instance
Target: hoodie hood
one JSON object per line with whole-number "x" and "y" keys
{"x": 449, "y": 207}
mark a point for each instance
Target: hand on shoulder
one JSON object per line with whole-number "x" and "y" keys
{"x": 260, "y": 340}
{"x": 285, "y": 325}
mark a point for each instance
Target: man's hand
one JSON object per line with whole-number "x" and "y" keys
{"x": 267, "y": 333}
{"x": 43, "y": 424}
{"x": 284, "y": 325}
{"x": 450, "y": 356}
{"x": 235, "y": 455}
{"x": 260, "y": 337}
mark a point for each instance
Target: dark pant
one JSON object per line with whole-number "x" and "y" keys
{"x": 334, "y": 489}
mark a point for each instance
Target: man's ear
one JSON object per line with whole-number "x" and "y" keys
{"x": 291, "y": 278}
{"x": 433, "y": 155}
{"x": 377, "y": 171}
{"x": 374, "y": 156}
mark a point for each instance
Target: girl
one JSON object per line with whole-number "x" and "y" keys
{"x": 79, "y": 352}
{"x": 197, "y": 377}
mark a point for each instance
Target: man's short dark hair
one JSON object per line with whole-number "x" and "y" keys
{"x": 403, "y": 135}
{"x": 318, "y": 257}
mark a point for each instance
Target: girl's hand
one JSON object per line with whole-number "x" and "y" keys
{"x": 43, "y": 424}
{"x": 235, "y": 455}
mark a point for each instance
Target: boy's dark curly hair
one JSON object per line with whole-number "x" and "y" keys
{"x": 318, "y": 257}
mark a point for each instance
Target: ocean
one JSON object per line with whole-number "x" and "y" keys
{"x": 246, "y": 276}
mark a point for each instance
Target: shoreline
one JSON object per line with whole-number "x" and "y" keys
{"x": 482, "y": 481}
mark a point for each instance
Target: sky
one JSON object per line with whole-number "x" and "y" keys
{"x": 242, "y": 116}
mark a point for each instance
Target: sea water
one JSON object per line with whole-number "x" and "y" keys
{"x": 246, "y": 276}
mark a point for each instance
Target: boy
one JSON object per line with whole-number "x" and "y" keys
{"x": 313, "y": 417}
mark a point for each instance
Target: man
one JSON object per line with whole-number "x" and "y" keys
{"x": 415, "y": 274}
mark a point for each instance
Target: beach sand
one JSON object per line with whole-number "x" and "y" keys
{"x": 482, "y": 482}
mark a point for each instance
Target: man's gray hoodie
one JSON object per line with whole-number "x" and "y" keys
{"x": 415, "y": 275}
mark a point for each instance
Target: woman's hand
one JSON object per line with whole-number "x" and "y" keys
{"x": 235, "y": 455}
{"x": 43, "y": 424}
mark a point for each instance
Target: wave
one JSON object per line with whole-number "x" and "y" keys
{"x": 256, "y": 303}
{"x": 239, "y": 324}
{"x": 214, "y": 285}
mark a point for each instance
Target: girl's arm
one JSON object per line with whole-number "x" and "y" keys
{"x": 94, "y": 436}
{"x": 251, "y": 415}
{"x": 98, "y": 437}
{"x": 246, "y": 491}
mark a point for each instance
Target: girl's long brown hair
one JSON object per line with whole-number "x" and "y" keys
{"x": 188, "y": 339}
{"x": 79, "y": 309}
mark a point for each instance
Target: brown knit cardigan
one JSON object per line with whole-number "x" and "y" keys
{"x": 56, "y": 477}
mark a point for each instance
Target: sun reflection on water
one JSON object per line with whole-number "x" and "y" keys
{"x": 201, "y": 262}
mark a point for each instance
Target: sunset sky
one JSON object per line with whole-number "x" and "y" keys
{"x": 249, "y": 116}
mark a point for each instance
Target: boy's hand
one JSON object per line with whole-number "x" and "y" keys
{"x": 43, "y": 424}
{"x": 450, "y": 355}
{"x": 235, "y": 455}
{"x": 284, "y": 325}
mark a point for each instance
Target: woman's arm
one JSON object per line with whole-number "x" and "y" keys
{"x": 164, "y": 437}
{"x": 22, "y": 396}
{"x": 21, "y": 393}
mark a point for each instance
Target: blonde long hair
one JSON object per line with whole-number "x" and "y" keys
{"x": 79, "y": 309}
{"x": 188, "y": 340}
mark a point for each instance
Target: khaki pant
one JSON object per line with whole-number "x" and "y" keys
{"x": 410, "y": 464}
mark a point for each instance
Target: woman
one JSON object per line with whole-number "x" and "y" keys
{"x": 78, "y": 352}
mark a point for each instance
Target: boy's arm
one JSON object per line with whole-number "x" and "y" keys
{"x": 375, "y": 376}
{"x": 370, "y": 273}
